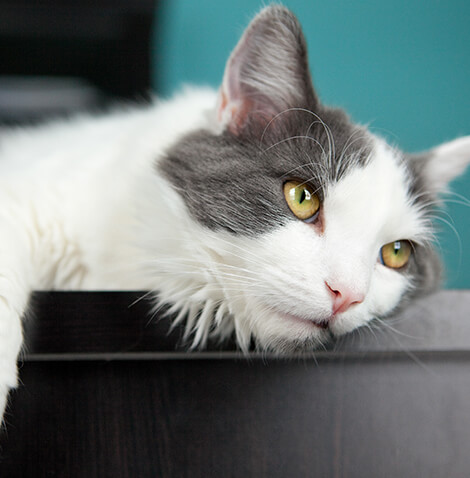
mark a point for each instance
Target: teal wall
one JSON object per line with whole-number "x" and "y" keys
{"x": 402, "y": 66}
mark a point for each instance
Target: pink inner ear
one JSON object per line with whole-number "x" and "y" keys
{"x": 222, "y": 106}
{"x": 234, "y": 113}
{"x": 266, "y": 74}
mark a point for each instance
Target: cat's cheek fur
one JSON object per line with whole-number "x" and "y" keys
{"x": 287, "y": 297}
{"x": 292, "y": 265}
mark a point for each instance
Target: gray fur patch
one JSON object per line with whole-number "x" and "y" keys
{"x": 235, "y": 184}
{"x": 425, "y": 267}
{"x": 425, "y": 271}
{"x": 419, "y": 190}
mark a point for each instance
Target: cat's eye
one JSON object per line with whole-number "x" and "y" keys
{"x": 396, "y": 254}
{"x": 302, "y": 200}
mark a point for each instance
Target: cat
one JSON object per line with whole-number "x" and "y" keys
{"x": 254, "y": 211}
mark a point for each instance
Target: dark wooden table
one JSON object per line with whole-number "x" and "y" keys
{"x": 107, "y": 393}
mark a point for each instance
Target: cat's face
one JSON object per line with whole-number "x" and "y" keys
{"x": 305, "y": 241}
{"x": 343, "y": 269}
{"x": 312, "y": 226}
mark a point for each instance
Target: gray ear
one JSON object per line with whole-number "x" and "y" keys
{"x": 266, "y": 74}
{"x": 439, "y": 166}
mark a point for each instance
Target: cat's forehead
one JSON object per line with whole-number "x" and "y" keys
{"x": 322, "y": 146}
{"x": 375, "y": 199}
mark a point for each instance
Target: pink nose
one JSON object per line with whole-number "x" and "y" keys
{"x": 343, "y": 297}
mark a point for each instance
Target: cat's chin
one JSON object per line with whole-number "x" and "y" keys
{"x": 285, "y": 333}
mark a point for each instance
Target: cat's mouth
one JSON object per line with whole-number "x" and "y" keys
{"x": 318, "y": 324}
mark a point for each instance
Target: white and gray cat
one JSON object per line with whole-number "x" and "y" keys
{"x": 254, "y": 211}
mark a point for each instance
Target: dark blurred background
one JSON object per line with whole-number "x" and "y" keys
{"x": 61, "y": 56}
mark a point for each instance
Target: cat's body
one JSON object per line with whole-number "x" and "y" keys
{"x": 73, "y": 184}
{"x": 205, "y": 200}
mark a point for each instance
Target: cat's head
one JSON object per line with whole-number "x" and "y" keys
{"x": 310, "y": 224}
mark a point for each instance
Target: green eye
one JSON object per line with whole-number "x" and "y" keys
{"x": 396, "y": 254}
{"x": 301, "y": 199}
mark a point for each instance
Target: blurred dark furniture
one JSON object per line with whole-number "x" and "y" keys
{"x": 107, "y": 392}
{"x": 60, "y": 56}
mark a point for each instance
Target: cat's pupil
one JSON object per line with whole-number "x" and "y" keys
{"x": 302, "y": 197}
{"x": 397, "y": 247}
